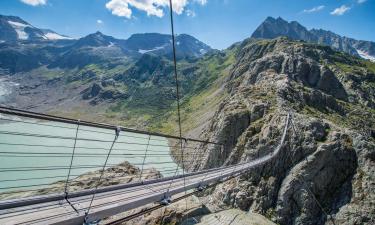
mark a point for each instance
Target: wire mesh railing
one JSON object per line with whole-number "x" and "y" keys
{"x": 92, "y": 168}
{"x": 43, "y": 154}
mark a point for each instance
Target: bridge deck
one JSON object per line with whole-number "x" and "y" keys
{"x": 109, "y": 203}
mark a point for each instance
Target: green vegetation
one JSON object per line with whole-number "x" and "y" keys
{"x": 205, "y": 95}
{"x": 46, "y": 73}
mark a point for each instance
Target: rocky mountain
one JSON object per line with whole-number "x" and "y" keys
{"x": 160, "y": 44}
{"x": 272, "y": 28}
{"x": 25, "y": 47}
{"x": 14, "y": 29}
{"x": 328, "y": 157}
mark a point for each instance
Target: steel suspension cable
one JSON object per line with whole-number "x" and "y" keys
{"x": 177, "y": 94}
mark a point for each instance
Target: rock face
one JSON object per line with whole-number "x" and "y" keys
{"x": 325, "y": 168}
{"x": 97, "y": 93}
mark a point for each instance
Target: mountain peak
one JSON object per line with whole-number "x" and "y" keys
{"x": 96, "y": 39}
{"x": 98, "y": 33}
{"x": 273, "y": 28}
{"x": 14, "y": 29}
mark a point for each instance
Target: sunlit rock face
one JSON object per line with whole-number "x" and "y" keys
{"x": 327, "y": 158}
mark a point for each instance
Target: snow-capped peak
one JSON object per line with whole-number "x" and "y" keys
{"x": 55, "y": 36}
{"x": 20, "y": 29}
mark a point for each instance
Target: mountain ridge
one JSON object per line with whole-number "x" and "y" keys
{"x": 26, "y": 47}
{"x": 15, "y": 28}
{"x": 272, "y": 28}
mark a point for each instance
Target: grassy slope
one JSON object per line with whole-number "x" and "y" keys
{"x": 357, "y": 116}
{"x": 205, "y": 96}
{"x": 207, "y": 92}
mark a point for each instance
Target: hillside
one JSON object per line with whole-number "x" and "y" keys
{"x": 330, "y": 150}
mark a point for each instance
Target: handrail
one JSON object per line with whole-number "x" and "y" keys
{"x": 42, "y": 116}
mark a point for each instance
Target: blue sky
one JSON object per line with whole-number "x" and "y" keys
{"x": 218, "y": 23}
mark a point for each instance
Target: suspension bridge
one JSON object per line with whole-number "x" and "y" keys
{"x": 99, "y": 202}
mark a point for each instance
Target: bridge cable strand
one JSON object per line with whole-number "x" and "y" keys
{"x": 144, "y": 158}
{"x": 71, "y": 163}
{"x": 101, "y": 174}
{"x": 304, "y": 181}
{"x": 177, "y": 101}
{"x": 177, "y": 85}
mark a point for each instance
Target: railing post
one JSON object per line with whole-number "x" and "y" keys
{"x": 144, "y": 158}
{"x": 117, "y": 133}
{"x": 222, "y": 152}
{"x": 71, "y": 162}
{"x": 166, "y": 196}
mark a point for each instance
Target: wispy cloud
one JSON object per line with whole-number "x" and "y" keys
{"x": 203, "y": 2}
{"x": 123, "y": 8}
{"x": 340, "y": 11}
{"x": 99, "y": 21}
{"x": 314, "y": 9}
{"x": 34, "y": 2}
{"x": 190, "y": 13}
{"x": 361, "y": 1}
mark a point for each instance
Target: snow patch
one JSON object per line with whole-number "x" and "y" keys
{"x": 2, "y": 41}
{"x": 202, "y": 51}
{"x": 178, "y": 43}
{"x": 55, "y": 36}
{"x": 142, "y": 51}
{"x": 365, "y": 55}
{"x": 111, "y": 44}
{"x": 20, "y": 29}
{"x": 18, "y": 24}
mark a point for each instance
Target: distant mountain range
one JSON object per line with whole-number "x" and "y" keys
{"x": 24, "y": 47}
{"x": 272, "y": 28}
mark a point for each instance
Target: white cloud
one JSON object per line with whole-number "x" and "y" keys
{"x": 204, "y": 2}
{"x": 34, "y": 2}
{"x": 314, "y": 9}
{"x": 190, "y": 13}
{"x": 151, "y": 7}
{"x": 99, "y": 21}
{"x": 361, "y": 1}
{"x": 340, "y": 11}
